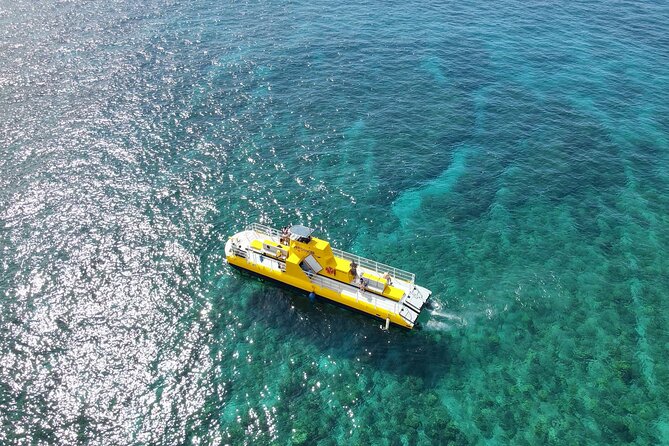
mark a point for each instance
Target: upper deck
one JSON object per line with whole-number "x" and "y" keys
{"x": 368, "y": 264}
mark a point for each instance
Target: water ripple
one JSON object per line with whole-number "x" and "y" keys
{"x": 518, "y": 152}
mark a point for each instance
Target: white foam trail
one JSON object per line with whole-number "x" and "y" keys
{"x": 449, "y": 316}
{"x": 437, "y": 326}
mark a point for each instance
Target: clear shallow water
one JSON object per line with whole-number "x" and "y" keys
{"x": 514, "y": 156}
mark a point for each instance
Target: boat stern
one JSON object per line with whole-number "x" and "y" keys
{"x": 413, "y": 304}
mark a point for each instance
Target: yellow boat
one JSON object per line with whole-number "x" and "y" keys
{"x": 294, "y": 257}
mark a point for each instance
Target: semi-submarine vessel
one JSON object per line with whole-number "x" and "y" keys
{"x": 294, "y": 257}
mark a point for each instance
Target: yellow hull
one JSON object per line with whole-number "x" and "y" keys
{"x": 306, "y": 285}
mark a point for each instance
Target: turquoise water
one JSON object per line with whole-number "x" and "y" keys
{"x": 513, "y": 155}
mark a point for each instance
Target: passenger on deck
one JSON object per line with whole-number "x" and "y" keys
{"x": 285, "y": 236}
{"x": 362, "y": 284}
{"x": 388, "y": 279}
{"x": 354, "y": 269}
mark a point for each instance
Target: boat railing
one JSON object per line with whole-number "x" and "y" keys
{"x": 372, "y": 265}
{"x": 321, "y": 281}
{"x": 262, "y": 229}
{"x": 239, "y": 252}
{"x": 338, "y": 286}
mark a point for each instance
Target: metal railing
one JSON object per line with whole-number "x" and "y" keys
{"x": 239, "y": 252}
{"x": 379, "y": 268}
{"x": 372, "y": 265}
{"x": 339, "y": 287}
{"x": 262, "y": 229}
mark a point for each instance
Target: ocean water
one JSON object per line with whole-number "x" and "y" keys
{"x": 514, "y": 155}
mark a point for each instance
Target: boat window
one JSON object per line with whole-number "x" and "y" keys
{"x": 312, "y": 263}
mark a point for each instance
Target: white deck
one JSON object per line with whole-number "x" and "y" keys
{"x": 408, "y": 307}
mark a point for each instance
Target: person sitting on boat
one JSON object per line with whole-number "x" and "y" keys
{"x": 362, "y": 284}
{"x": 354, "y": 269}
{"x": 388, "y": 278}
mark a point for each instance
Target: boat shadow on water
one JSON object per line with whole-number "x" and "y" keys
{"x": 344, "y": 333}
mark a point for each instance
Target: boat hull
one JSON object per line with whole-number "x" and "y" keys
{"x": 285, "y": 286}
{"x": 342, "y": 299}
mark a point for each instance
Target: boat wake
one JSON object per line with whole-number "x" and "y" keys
{"x": 433, "y": 325}
{"x": 442, "y": 320}
{"x": 448, "y": 316}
